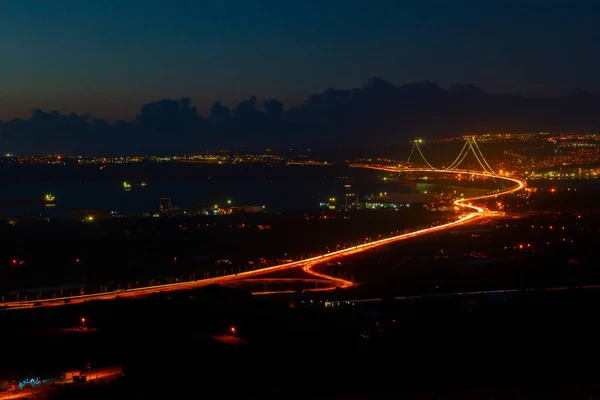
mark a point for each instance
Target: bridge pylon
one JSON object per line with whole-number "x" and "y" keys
{"x": 416, "y": 147}
{"x": 470, "y": 146}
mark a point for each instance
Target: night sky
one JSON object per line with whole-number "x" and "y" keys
{"x": 109, "y": 57}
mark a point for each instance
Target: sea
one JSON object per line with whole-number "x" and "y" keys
{"x": 276, "y": 187}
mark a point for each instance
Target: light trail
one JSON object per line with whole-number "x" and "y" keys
{"x": 480, "y": 212}
{"x": 278, "y": 280}
{"x": 308, "y": 263}
{"x": 342, "y": 283}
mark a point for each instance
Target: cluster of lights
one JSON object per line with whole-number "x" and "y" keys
{"x": 309, "y": 263}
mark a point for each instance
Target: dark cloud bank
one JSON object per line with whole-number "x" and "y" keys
{"x": 378, "y": 113}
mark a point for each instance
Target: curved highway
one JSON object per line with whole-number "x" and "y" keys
{"x": 308, "y": 264}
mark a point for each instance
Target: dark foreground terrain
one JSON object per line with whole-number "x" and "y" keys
{"x": 527, "y": 345}
{"x": 142, "y": 251}
{"x": 522, "y": 251}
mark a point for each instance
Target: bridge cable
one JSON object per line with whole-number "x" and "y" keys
{"x": 465, "y": 154}
{"x": 411, "y": 153}
{"x": 460, "y": 156}
{"x": 476, "y": 147}
{"x": 477, "y": 156}
{"x": 478, "y": 159}
{"x": 481, "y": 153}
{"x": 423, "y": 156}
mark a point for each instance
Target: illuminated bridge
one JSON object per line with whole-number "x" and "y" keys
{"x": 472, "y": 214}
{"x": 469, "y": 147}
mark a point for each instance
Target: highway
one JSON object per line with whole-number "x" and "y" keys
{"x": 476, "y": 214}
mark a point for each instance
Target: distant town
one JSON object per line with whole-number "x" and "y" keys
{"x": 535, "y": 155}
{"x": 214, "y": 157}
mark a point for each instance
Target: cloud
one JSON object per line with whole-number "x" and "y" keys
{"x": 374, "y": 114}
{"x": 274, "y": 109}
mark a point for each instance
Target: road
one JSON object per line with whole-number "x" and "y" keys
{"x": 103, "y": 373}
{"x": 476, "y": 214}
{"x": 39, "y": 391}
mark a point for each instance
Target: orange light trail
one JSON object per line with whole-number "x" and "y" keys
{"x": 308, "y": 263}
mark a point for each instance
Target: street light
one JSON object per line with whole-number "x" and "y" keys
{"x": 232, "y": 330}
{"x": 82, "y": 322}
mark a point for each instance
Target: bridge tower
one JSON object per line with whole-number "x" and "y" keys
{"x": 470, "y": 146}
{"x": 411, "y": 158}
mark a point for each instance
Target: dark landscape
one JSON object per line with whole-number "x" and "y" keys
{"x": 299, "y": 200}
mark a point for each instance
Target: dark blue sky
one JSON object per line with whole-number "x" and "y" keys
{"x": 112, "y": 56}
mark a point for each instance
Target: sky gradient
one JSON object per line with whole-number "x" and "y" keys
{"x": 109, "y": 57}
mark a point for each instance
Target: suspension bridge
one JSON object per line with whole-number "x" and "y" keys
{"x": 470, "y": 146}
{"x": 473, "y": 213}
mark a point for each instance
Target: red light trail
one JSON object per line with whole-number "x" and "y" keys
{"x": 307, "y": 264}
